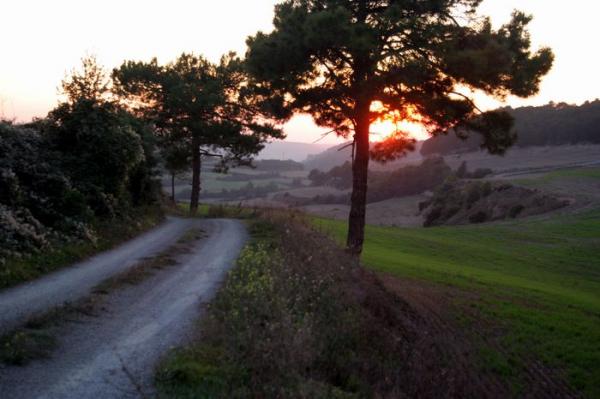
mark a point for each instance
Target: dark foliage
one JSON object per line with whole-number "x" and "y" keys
{"x": 552, "y": 124}
{"x": 201, "y": 108}
{"x": 463, "y": 202}
{"x": 339, "y": 177}
{"x": 88, "y": 160}
{"x": 100, "y": 150}
{"x": 336, "y": 60}
{"x": 409, "y": 180}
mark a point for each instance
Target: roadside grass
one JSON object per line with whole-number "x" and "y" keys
{"x": 23, "y": 346}
{"x": 295, "y": 318}
{"x": 110, "y": 234}
{"x": 37, "y": 337}
{"x": 538, "y": 279}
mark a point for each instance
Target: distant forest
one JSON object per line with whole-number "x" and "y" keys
{"x": 552, "y": 124}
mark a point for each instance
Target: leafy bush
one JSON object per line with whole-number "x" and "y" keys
{"x": 58, "y": 175}
{"x": 460, "y": 201}
{"x": 20, "y": 233}
{"x": 99, "y": 150}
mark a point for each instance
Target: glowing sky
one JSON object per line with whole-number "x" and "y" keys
{"x": 41, "y": 40}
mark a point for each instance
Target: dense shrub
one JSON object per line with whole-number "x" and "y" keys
{"x": 35, "y": 191}
{"x": 20, "y": 233}
{"x": 460, "y": 202}
{"x": 99, "y": 150}
{"x": 86, "y": 161}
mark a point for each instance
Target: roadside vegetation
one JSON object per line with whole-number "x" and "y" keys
{"x": 536, "y": 280}
{"x": 77, "y": 182}
{"x": 108, "y": 234}
{"x": 295, "y": 318}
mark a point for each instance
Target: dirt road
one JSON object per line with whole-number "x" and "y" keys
{"x": 113, "y": 354}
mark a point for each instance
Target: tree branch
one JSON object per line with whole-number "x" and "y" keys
{"x": 468, "y": 99}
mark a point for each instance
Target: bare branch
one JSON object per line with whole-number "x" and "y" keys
{"x": 468, "y": 99}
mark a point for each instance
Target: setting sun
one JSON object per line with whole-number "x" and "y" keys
{"x": 382, "y": 129}
{"x": 394, "y": 122}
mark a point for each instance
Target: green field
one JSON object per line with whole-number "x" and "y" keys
{"x": 586, "y": 174}
{"x": 539, "y": 279}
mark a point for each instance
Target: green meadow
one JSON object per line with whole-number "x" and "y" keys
{"x": 590, "y": 174}
{"x": 538, "y": 279}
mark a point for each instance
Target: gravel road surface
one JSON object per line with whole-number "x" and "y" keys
{"x": 77, "y": 281}
{"x": 113, "y": 354}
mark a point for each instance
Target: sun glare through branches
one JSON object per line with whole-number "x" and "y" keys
{"x": 393, "y": 122}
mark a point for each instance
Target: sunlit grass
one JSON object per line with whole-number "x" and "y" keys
{"x": 552, "y": 264}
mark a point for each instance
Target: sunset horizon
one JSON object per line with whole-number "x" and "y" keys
{"x": 34, "y": 65}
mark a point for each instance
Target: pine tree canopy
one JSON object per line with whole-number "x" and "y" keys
{"x": 420, "y": 59}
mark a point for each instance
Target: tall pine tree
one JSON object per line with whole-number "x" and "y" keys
{"x": 416, "y": 59}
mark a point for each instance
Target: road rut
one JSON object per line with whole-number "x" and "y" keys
{"x": 113, "y": 355}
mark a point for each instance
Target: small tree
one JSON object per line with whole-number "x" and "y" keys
{"x": 100, "y": 144}
{"x": 414, "y": 59}
{"x": 197, "y": 104}
{"x": 176, "y": 161}
{"x": 90, "y": 82}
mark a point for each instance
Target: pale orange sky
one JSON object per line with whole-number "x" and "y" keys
{"x": 42, "y": 40}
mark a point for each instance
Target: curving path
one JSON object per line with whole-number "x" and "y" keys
{"x": 114, "y": 354}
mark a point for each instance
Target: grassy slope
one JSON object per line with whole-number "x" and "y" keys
{"x": 539, "y": 278}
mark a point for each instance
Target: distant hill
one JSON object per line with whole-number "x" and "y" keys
{"x": 331, "y": 157}
{"x": 284, "y": 150}
{"x": 548, "y": 125}
{"x": 339, "y": 154}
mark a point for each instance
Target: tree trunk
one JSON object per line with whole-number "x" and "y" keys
{"x": 196, "y": 168}
{"x": 360, "y": 169}
{"x": 173, "y": 187}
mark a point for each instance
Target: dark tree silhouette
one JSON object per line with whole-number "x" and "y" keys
{"x": 103, "y": 148}
{"x": 194, "y": 102}
{"x": 416, "y": 58}
{"x": 551, "y": 124}
{"x": 176, "y": 160}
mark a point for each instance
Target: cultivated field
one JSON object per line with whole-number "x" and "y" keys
{"x": 524, "y": 295}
